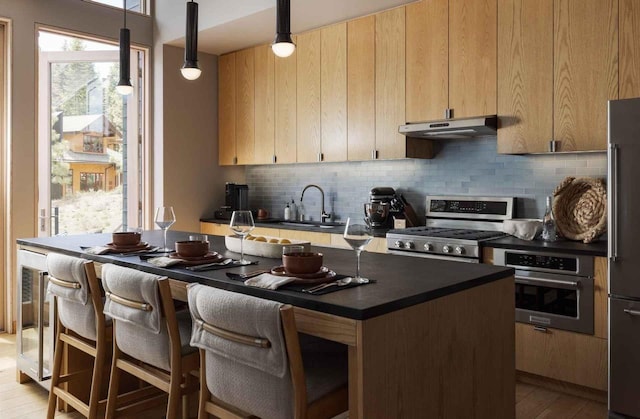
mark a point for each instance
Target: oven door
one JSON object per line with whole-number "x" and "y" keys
{"x": 432, "y": 256}
{"x": 558, "y": 301}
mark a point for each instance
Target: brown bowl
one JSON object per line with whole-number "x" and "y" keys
{"x": 189, "y": 248}
{"x": 302, "y": 263}
{"x": 126, "y": 238}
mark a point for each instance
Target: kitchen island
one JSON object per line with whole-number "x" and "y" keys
{"x": 429, "y": 338}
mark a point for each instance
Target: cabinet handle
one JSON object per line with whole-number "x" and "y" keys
{"x": 632, "y": 312}
{"x": 448, "y": 113}
{"x": 274, "y": 159}
{"x": 320, "y": 157}
{"x": 553, "y": 146}
{"x": 374, "y": 154}
{"x": 540, "y": 329}
{"x": 235, "y": 160}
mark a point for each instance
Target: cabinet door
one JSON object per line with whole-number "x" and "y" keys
{"x": 629, "y": 49}
{"x": 245, "y": 109}
{"x": 264, "y": 105}
{"x": 472, "y": 57}
{"x": 227, "y": 109}
{"x": 525, "y": 75}
{"x": 333, "y": 92}
{"x": 361, "y": 85}
{"x": 390, "y": 83}
{"x": 585, "y": 72}
{"x": 285, "y": 79}
{"x": 427, "y": 60}
{"x": 308, "y": 50}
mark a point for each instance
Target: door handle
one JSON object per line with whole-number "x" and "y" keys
{"x": 613, "y": 201}
{"x": 632, "y": 312}
{"x": 542, "y": 281}
{"x": 540, "y": 329}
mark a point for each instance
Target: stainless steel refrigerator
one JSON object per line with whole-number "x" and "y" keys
{"x": 624, "y": 258}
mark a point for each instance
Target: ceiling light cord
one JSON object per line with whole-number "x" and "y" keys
{"x": 190, "y": 70}
{"x": 283, "y": 45}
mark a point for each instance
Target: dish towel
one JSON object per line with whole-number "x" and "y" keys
{"x": 97, "y": 250}
{"x": 164, "y": 261}
{"x": 268, "y": 281}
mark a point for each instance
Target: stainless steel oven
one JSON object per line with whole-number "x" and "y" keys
{"x": 552, "y": 289}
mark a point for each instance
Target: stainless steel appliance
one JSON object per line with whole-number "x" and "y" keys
{"x": 451, "y": 128}
{"x": 236, "y": 197}
{"x": 624, "y": 263}
{"x": 35, "y": 331}
{"x": 455, "y": 226}
{"x": 552, "y": 289}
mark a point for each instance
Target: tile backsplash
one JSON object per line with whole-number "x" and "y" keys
{"x": 461, "y": 167}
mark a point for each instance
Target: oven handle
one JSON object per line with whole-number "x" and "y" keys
{"x": 529, "y": 280}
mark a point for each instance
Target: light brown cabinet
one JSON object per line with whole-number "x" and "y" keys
{"x": 584, "y": 60}
{"x": 629, "y": 48}
{"x": 264, "y": 105}
{"x": 451, "y": 59}
{"x": 308, "y": 97}
{"x": 333, "y": 92}
{"x": 245, "y": 106}
{"x": 285, "y": 109}
{"x": 227, "y": 109}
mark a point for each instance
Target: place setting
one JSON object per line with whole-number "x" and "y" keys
{"x": 304, "y": 271}
{"x": 123, "y": 243}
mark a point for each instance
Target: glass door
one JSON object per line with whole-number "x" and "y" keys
{"x": 89, "y": 138}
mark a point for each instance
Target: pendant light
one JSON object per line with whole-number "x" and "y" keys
{"x": 190, "y": 69}
{"x": 124, "y": 85}
{"x": 283, "y": 46}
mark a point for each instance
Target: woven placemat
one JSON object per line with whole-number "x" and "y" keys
{"x": 580, "y": 208}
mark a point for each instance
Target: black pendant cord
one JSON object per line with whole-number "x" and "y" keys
{"x": 191, "y": 50}
{"x": 283, "y": 17}
{"x": 125, "y": 52}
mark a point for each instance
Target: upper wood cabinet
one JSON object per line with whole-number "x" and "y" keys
{"x": 308, "y": 97}
{"x": 361, "y": 88}
{"x": 245, "y": 106}
{"x": 584, "y": 58}
{"x": 227, "y": 109}
{"x": 264, "y": 105}
{"x": 629, "y": 48}
{"x": 285, "y": 109}
{"x": 525, "y": 69}
{"x": 390, "y": 82}
{"x": 333, "y": 92}
{"x": 451, "y": 59}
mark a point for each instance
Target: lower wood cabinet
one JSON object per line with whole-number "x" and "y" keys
{"x": 566, "y": 356}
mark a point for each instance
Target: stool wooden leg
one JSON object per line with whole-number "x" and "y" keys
{"x": 96, "y": 381}
{"x": 174, "y": 393}
{"x": 114, "y": 381}
{"x": 55, "y": 374}
{"x": 204, "y": 390}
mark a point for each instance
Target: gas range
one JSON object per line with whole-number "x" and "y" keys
{"x": 455, "y": 228}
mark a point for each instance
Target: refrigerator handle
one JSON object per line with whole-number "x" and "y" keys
{"x": 613, "y": 201}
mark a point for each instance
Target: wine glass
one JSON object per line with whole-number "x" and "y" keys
{"x": 241, "y": 224}
{"x": 165, "y": 217}
{"x": 358, "y": 236}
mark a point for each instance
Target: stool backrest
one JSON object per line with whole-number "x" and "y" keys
{"x": 71, "y": 280}
{"x": 247, "y": 363}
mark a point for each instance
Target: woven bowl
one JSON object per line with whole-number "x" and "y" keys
{"x": 580, "y": 208}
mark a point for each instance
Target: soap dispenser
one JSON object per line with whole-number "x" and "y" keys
{"x": 287, "y": 212}
{"x": 293, "y": 210}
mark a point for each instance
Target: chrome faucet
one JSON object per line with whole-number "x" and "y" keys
{"x": 323, "y": 215}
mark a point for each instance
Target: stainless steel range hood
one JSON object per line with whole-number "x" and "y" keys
{"x": 452, "y": 128}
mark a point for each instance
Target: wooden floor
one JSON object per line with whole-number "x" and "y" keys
{"x": 30, "y": 400}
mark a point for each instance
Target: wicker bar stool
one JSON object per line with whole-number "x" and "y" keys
{"x": 151, "y": 339}
{"x": 253, "y": 363}
{"x": 80, "y": 324}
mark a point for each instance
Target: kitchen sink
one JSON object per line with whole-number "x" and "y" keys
{"x": 317, "y": 224}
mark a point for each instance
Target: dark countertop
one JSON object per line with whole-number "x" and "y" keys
{"x": 597, "y": 248}
{"x": 277, "y": 223}
{"x": 401, "y": 281}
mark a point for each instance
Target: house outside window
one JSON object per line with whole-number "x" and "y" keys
{"x": 92, "y": 144}
{"x": 91, "y": 181}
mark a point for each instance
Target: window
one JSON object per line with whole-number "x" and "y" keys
{"x": 132, "y": 5}
{"x": 92, "y": 144}
{"x": 91, "y": 181}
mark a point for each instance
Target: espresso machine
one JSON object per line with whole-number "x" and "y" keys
{"x": 236, "y": 197}
{"x": 386, "y": 206}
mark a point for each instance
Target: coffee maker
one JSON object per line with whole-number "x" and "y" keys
{"x": 236, "y": 197}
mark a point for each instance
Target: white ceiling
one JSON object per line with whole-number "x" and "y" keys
{"x": 226, "y": 26}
